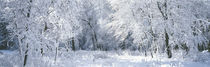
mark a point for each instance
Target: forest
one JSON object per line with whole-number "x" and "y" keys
{"x": 104, "y": 33}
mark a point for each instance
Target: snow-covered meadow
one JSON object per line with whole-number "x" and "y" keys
{"x": 101, "y": 59}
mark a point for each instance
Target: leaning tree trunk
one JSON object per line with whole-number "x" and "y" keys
{"x": 168, "y": 50}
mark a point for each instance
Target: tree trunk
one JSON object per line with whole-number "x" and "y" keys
{"x": 73, "y": 44}
{"x": 26, "y": 56}
{"x": 56, "y": 53}
{"x": 168, "y": 50}
{"x": 28, "y": 16}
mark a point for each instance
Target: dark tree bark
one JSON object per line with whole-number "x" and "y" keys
{"x": 168, "y": 50}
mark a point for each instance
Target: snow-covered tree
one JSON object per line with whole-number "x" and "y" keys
{"x": 94, "y": 16}
{"x": 41, "y": 25}
{"x": 161, "y": 25}
{"x": 149, "y": 26}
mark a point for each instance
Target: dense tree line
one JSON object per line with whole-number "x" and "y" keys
{"x": 149, "y": 26}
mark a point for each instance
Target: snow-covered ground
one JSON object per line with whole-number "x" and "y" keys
{"x": 97, "y": 59}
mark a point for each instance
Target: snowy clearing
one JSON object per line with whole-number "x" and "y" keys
{"x": 98, "y": 59}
